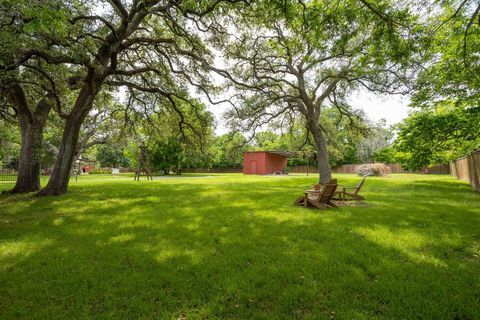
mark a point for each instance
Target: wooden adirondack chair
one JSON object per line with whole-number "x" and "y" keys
{"x": 320, "y": 199}
{"x": 345, "y": 195}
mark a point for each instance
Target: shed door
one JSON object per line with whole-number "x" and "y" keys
{"x": 253, "y": 167}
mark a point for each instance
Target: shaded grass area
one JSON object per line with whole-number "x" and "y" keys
{"x": 234, "y": 247}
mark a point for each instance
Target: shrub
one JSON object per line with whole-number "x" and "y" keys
{"x": 373, "y": 169}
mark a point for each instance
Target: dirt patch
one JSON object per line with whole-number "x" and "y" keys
{"x": 351, "y": 204}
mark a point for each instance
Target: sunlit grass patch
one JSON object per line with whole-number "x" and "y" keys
{"x": 235, "y": 247}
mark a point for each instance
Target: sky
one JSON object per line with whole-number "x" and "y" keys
{"x": 392, "y": 108}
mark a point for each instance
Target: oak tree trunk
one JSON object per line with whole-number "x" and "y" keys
{"x": 31, "y": 128}
{"x": 58, "y": 182}
{"x": 28, "y": 178}
{"x": 325, "y": 174}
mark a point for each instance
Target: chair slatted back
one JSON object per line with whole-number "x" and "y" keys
{"x": 328, "y": 191}
{"x": 360, "y": 185}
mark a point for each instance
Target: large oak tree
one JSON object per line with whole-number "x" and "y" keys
{"x": 149, "y": 48}
{"x": 295, "y": 58}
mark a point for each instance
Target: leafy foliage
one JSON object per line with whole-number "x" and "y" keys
{"x": 167, "y": 156}
{"x": 386, "y": 155}
{"x": 452, "y": 72}
{"x": 227, "y": 151}
{"x": 9, "y": 143}
{"x": 110, "y": 156}
{"x": 437, "y": 136}
{"x": 445, "y": 123}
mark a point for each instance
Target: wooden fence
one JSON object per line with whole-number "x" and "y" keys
{"x": 467, "y": 169}
{"x": 394, "y": 168}
{"x": 346, "y": 168}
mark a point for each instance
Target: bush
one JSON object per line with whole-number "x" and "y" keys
{"x": 373, "y": 169}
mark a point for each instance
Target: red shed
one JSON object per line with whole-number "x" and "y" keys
{"x": 265, "y": 162}
{"x": 87, "y": 165}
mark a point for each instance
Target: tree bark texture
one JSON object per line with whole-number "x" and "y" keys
{"x": 31, "y": 129}
{"x": 58, "y": 182}
{"x": 325, "y": 174}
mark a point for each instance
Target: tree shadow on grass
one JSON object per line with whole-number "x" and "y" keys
{"x": 199, "y": 251}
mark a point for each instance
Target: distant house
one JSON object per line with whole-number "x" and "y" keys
{"x": 265, "y": 162}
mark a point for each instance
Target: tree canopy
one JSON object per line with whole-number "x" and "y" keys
{"x": 301, "y": 58}
{"x": 74, "y": 52}
{"x": 444, "y": 124}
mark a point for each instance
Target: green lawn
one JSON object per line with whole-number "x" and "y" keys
{"x": 234, "y": 247}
